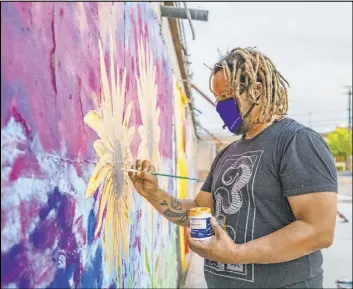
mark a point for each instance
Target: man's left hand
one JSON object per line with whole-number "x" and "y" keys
{"x": 220, "y": 247}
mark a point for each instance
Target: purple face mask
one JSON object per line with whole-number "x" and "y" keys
{"x": 229, "y": 112}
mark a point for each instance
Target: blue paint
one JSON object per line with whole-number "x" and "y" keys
{"x": 93, "y": 276}
{"x": 65, "y": 213}
{"x": 43, "y": 236}
{"x": 91, "y": 226}
{"x": 24, "y": 283}
{"x": 10, "y": 271}
{"x": 60, "y": 280}
{"x": 53, "y": 202}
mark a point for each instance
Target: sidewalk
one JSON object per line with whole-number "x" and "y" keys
{"x": 337, "y": 258}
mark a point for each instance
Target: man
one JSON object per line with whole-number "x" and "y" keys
{"x": 273, "y": 193}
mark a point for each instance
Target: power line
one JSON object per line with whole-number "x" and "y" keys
{"x": 349, "y": 93}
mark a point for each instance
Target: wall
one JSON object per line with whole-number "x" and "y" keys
{"x": 181, "y": 164}
{"x": 85, "y": 89}
{"x": 206, "y": 152}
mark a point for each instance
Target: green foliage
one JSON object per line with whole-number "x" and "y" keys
{"x": 147, "y": 262}
{"x": 340, "y": 143}
{"x": 340, "y": 168}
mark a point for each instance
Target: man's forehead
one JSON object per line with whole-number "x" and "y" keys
{"x": 220, "y": 80}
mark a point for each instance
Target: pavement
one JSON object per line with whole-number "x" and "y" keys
{"x": 337, "y": 258}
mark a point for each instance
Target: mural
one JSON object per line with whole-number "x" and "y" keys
{"x": 113, "y": 150}
{"x": 180, "y": 110}
{"x": 149, "y": 131}
{"x": 76, "y": 80}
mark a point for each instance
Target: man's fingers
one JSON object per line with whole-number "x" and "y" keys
{"x": 138, "y": 165}
{"x": 132, "y": 175}
{"x": 216, "y": 228}
{"x": 145, "y": 165}
{"x": 146, "y": 176}
{"x": 152, "y": 169}
{"x": 199, "y": 247}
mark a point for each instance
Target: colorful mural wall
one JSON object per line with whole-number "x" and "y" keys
{"x": 86, "y": 88}
{"x": 181, "y": 166}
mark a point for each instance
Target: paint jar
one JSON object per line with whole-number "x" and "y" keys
{"x": 200, "y": 223}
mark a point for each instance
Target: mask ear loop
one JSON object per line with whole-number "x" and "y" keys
{"x": 251, "y": 108}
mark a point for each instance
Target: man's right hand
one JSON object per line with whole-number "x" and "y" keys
{"x": 145, "y": 183}
{"x": 174, "y": 209}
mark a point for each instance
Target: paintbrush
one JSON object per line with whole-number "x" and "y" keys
{"x": 163, "y": 175}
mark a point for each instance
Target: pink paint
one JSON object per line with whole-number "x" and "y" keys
{"x": 136, "y": 39}
{"x": 28, "y": 211}
{"x": 47, "y": 274}
{"x": 30, "y": 54}
{"x": 25, "y": 166}
{"x": 140, "y": 31}
{"x": 18, "y": 118}
{"x": 78, "y": 225}
{"x": 92, "y": 80}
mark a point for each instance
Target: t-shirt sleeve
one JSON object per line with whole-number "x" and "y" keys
{"x": 207, "y": 185}
{"x": 307, "y": 165}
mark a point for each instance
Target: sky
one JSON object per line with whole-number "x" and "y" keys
{"x": 309, "y": 43}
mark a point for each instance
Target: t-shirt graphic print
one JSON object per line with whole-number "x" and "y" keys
{"x": 235, "y": 207}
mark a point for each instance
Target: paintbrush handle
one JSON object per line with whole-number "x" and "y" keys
{"x": 176, "y": 177}
{"x": 163, "y": 175}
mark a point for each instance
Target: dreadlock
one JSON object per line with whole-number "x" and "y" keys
{"x": 247, "y": 66}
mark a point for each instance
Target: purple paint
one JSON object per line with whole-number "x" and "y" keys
{"x": 137, "y": 243}
{"x": 18, "y": 118}
{"x": 44, "y": 235}
{"x": 26, "y": 166}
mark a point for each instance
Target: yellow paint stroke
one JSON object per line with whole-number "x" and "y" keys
{"x": 180, "y": 103}
{"x": 150, "y": 130}
{"x": 113, "y": 151}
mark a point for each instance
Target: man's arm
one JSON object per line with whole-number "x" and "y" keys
{"x": 313, "y": 230}
{"x": 177, "y": 210}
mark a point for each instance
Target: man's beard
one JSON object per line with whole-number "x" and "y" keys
{"x": 242, "y": 129}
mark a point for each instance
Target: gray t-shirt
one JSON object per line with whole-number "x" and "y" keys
{"x": 250, "y": 181}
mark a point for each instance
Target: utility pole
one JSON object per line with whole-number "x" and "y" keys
{"x": 310, "y": 118}
{"x": 349, "y": 163}
{"x": 350, "y": 108}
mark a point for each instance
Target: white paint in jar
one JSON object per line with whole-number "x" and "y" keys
{"x": 200, "y": 223}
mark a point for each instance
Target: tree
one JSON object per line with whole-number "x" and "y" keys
{"x": 340, "y": 143}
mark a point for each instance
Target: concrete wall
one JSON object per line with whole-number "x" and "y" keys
{"x": 85, "y": 87}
